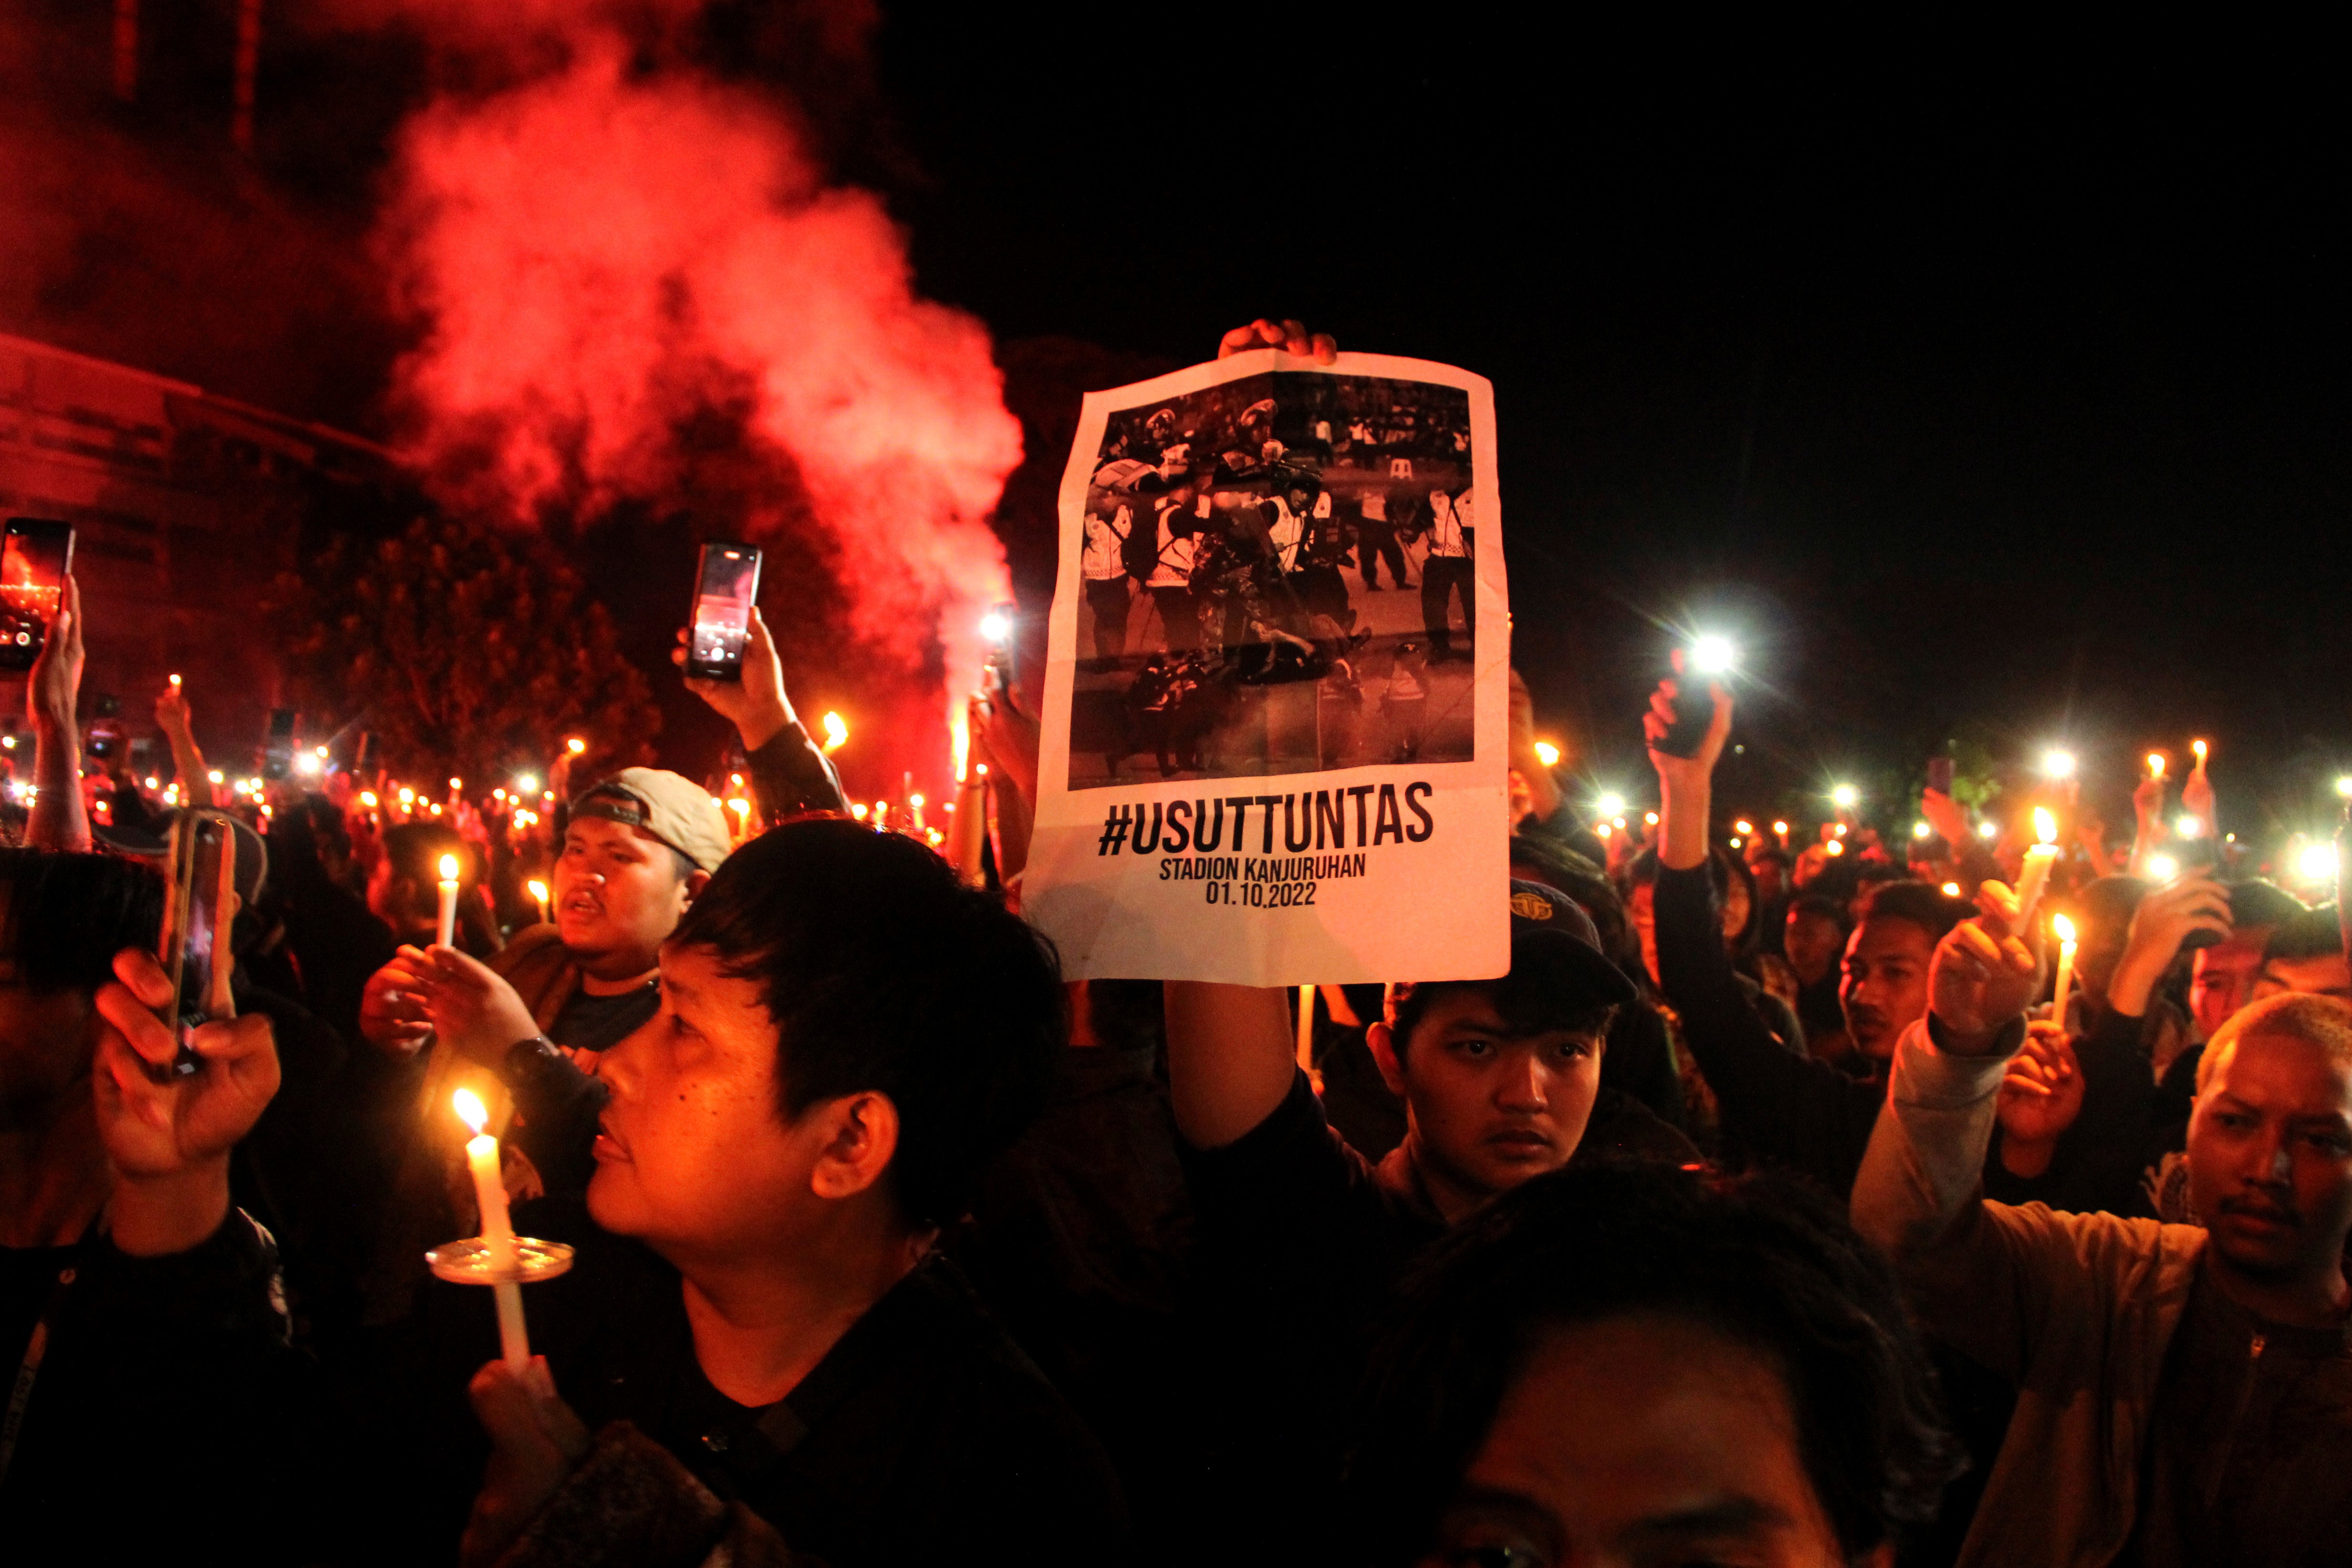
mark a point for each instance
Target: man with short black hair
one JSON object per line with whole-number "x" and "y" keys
{"x": 2306, "y": 956}
{"x": 847, "y": 1035}
{"x": 1804, "y": 1114}
{"x": 1302, "y": 1239}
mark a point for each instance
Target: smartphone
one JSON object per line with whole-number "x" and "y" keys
{"x": 1939, "y": 775}
{"x": 727, "y": 585}
{"x": 197, "y": 920}
{"x": 277, "y": 744}
{"x": 35, "y": 557}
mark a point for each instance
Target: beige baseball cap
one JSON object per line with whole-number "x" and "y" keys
{"x": 674, "y": 809}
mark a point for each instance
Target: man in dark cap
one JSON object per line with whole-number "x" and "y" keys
{"x": 1303, "y": 1241}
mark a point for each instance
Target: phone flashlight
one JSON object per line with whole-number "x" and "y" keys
{"x": 997, "y": 625}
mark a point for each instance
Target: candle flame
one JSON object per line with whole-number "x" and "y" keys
{"x": 2063, "y": 927}
{"x": 471, "y": 1109}
{"x": 175, "y": 681}
{"x": 538, "y": 891}
{"x": 1951, "y": 889}
{"x": 367, "y": 798}
{"x": 2198, "y": 747}
{"x": 960, "y": 740}
{"x": 837, "y": 732}
{"x": 2045, "y": 826}
{"x": 448, "y": 867}
{"x": 575, "y": 745}
{"x": 1547, "y": 753}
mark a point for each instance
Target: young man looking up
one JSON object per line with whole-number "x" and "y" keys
{"x": 1302, "y": 1240}
{"x": 1804, "y": 1114}
{"x": 847, "y": 1035}
{"x": 2185, "y": 1392}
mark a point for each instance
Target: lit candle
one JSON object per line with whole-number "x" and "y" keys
{"x": 448, "y": 901}
{"x": 2155, "y": 766}
{"x": 176, "y": 683}
{"x": 837, "y": 733}
{"x": 2198, "y": 748}
{"x": 916, "y": 803}
{"x": 2065, "y": 930}
{"x": 539, "y": 891}
{"x": 1781, "y": 831}
{"x": 498, "y": 1231}
{"x": 2039, "y": 858}
{"x": 1306, "y": 1028}
{"x": 742, "y": 810}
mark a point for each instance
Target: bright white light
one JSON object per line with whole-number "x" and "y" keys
{"x": 306, "y": 765}
{"x": 2063, "y": 927}
{"x": 1988, "y": 830}
{"x": 1712, "y": 655}
{"x": 2318, "y": 863}
{"x": 2058, "y": 764}
{"x": 2189, "y": 826}
{"x": 526, "y": 783}
{"x": 1612, "y": 806}
{"x": 996, "y": 626}
{"x": 1603, "y": 831}
{"x": 471, "y": 1109}
{"x": 1920, "y": 830}
{"x": 575, "y": 745}
{"x": 2163, "y": 868}
{"x": 2344, "y": 787}
{"x": 1547, "y": 753}
{"x": 1743, "y": 828}
{"x": 1845, "y": 798}
{"x": 216, "y": 775}
{"x": 1951, "y": 889}
{"x": 1836, "y": 847}
{"x": 2045, "y": 826}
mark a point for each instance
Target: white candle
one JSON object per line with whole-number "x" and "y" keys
{"x": 448, "y": 900}
{"x": 498, "y": 1230}
{"x": 2065, "y": 930}
{"x": 2039, "y": 858}
{"x": 1306, "y": 1028}
{"x": 539, "y": 891}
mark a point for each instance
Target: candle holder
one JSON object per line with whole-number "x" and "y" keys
{"x": 467, "y": 1262}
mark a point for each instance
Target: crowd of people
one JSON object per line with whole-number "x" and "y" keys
{"x": 1767, "y": 1210}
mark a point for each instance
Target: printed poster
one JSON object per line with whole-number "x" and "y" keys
{"x": 1276, "y": 684}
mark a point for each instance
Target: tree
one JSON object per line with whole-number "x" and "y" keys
{"x": 470, "y": 652}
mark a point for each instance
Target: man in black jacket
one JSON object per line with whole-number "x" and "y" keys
{"x": 758, "y": 1341}
{"x": 1798, "y": 1113}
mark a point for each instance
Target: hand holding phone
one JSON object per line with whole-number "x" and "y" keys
{"x": 35, "y": 557}
{"x": 198, "y": 922}
{"x": 727, "y": 585}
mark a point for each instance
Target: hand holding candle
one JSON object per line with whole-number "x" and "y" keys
{"x": 448, "y": 901}
{"x": 498, "y": 1231}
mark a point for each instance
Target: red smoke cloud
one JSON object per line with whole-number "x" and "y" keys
{"x": 603, "y": 253}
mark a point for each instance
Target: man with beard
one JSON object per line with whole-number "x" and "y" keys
{"x": 1799, "y": 1113}
{"x": 2185, "y": 1392}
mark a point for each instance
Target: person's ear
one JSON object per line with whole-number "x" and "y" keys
{"x": 694, "y": 882}
{"x": 1382, "y": 1041}
{"x": 861, "y": 1136}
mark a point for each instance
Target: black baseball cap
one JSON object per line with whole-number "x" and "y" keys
{"x": 1551, "y": 935}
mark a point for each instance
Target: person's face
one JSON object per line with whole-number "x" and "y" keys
{"x": 2222, "y": 979}
{"x": 46, "y": 1041}
{"x": 693, "y": 1154}
{"x": 1640, "y": 1441}
{"x": 2327, "y": 976}
{"x": 2270, "y": 1158}
{"x": 1769, "y": 883}
{"x": 1735, "y": 905}
{"x": 618, "y": 894}
{"x": 1642, "y": 907}
{"x": 1811, "y": 944}
{"x": 384, "y": 894}
{"x": 1490, "y": 1109}
{"x": 1884, "y": 991}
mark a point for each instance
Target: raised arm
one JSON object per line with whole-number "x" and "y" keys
{"x": 172, "y": 717}
{"x": 790, "y": 773}
{"x": 59, "y": 820}
{"x": 1229, "y": 1059}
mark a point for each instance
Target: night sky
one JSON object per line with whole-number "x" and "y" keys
{"x": 1986, "y": 389}
{"x": 1982, "y": 400}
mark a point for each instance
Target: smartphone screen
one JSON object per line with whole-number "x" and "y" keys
{"x": 35, "y": 557}
{"x": 277, "y": 746}
{"x": 727, "y": 585}
{"x": 196, "y": 925}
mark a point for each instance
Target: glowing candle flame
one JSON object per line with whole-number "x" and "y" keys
{"x": 1743, "y": 828}
{"x": 448, "y": 867}
{"x": 1837, "y": 846}
{"x": 2045, "y": 826}
{"x": 176, "y": 683}
{"x": 538, "y": 891}
{"x": 2199, "y": 747}
{"x": 1547, "y": 753}
{"x": 2156, "y": 764}
{"x": 857, "y": 810}
{"x": 575, "y": 745}
{"x": 471, "y": 1109}
{"x": 837, "y": 732}
{"x": 1951, "y": 889}
{"x": 367, "y": 798}
{"x": 2063, "y": 927}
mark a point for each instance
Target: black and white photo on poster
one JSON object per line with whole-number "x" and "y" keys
{"x": 1278, "y": 578}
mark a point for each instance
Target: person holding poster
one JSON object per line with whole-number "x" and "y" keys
{"x": 1304, "y": 1240}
